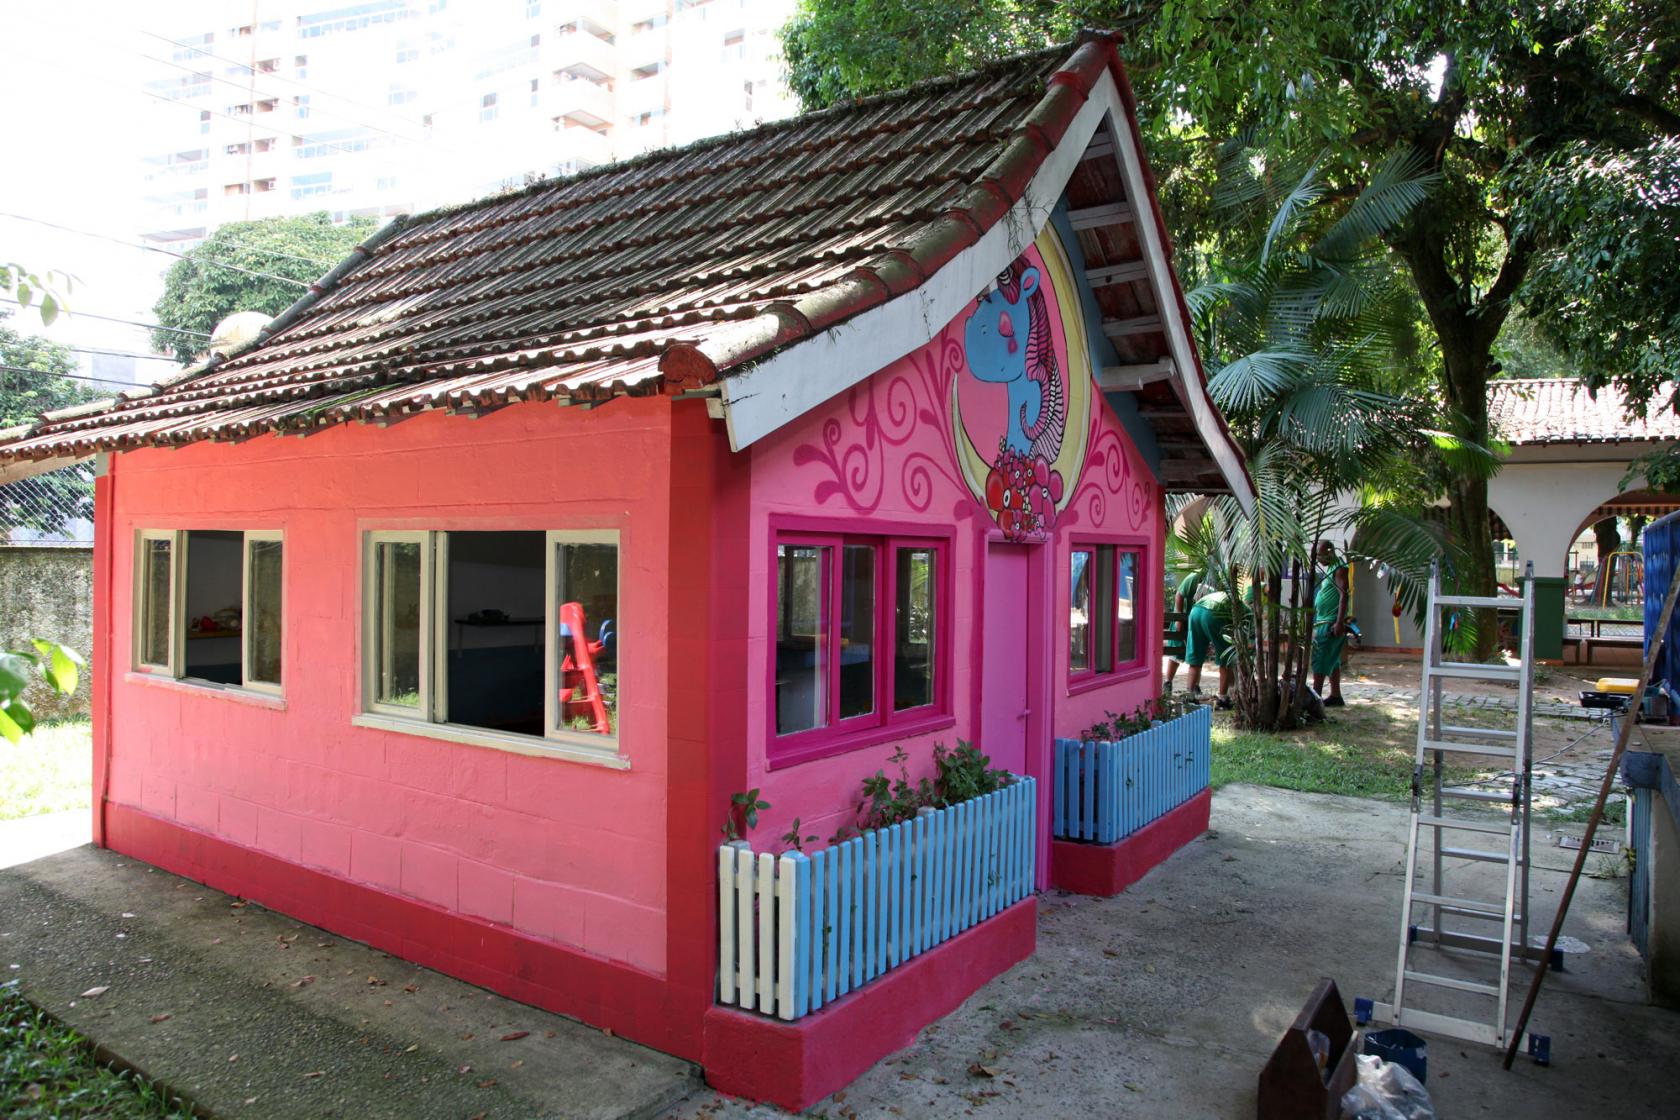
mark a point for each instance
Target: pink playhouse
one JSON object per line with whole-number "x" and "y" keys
{"x": 453, "y": 611}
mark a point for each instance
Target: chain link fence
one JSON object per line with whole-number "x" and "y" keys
{"x": 51, "y": 508}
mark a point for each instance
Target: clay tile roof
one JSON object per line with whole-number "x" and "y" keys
{"x": 1560, "y": 410}
{"x": 662, "y": 273}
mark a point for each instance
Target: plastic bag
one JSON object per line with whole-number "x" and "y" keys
{"x": 1386, "y": 1091}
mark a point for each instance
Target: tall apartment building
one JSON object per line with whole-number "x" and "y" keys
{"x": 270, "y": 107}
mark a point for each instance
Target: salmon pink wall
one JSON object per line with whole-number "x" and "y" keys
{"x": 911, "y": 447}
{"x": 566, "y": 851}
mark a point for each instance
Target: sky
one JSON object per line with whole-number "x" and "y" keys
{"x": 71, "y": 133}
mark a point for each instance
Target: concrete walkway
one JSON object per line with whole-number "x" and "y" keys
{"x": 1167, "y": 1001}
{"x": 249, "y": 1013}
{"x": 30, "y": 838}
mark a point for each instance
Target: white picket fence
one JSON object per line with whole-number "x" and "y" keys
{"x": 797, "y": 931}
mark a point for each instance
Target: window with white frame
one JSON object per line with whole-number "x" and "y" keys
{"x": 209, "y": 606}
{"x": 1102, "y": 609}
{"x": 857, "y": 641}
{"x": 505, "y": 632}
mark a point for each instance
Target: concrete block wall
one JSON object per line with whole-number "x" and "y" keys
{"x": 46, "y": 591}
{"x": 566, "y": 851}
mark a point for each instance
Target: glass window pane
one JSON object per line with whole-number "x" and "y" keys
{"x": 916, "y": 581}
{"x": 213, "y": 605}
{"x": 155, "y": 608}
{"x": 1126, "y": 607}
{"x": 588, "y": 627}
{"x": 494, "y": 586}
{"x": 800, "y": 676}
{"x": 263, "y": 610}
{"x": 1079, "y": 613}
{"x": 857, "y": 631}
{"x": 397, "y": 597}
{"x": 1102, "y": 629}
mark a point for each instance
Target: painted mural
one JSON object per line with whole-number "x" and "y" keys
{"x": 998, "y": 410}
{"x": 1021, "y": 402}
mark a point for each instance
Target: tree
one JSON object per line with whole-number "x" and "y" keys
{"x": 33, "y": 376}
{"x": 58, "y": 665}
{"x": 262, "y": 265}
{"x": 1301, "y": 342}
{"x": 1499, "y": 102}
{"x": 34, "y": 379}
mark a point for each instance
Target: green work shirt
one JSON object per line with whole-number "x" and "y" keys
{"x": 1327, "y": 604}
{"x": 1187, "y": 588}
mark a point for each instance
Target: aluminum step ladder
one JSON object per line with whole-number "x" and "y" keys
{"x": 1455, "y": 919}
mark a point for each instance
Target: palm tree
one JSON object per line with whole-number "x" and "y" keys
{"x": 1308, "y": 340}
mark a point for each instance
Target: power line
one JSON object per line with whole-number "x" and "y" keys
{"x": 77, "y": 314}
{"x": 74, "y": 376}
{"x": 165, "y": 252}
{"x": 117, "y": 353}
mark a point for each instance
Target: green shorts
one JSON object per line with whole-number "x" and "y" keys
{"x": 1326, "y": 650}
{"x": 1206, "y": 639}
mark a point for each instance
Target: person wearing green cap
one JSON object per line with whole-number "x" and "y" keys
{"x": 1330, "y": 629}
{"x": 1183, "y": 599}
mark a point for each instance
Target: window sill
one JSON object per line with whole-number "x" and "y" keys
{"x": 478, "y": 737}
{"x": 238, "y": 695}
{"x": 1094, "y": 681}
{"x": 794, "y": 754}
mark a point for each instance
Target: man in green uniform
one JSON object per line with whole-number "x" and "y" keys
{"x": 1183, "y": 599}
{"x": 1206, "y": 638}
{"x": 1330, "y": 612}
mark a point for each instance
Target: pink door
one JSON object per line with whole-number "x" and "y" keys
{"x": 1005, "y": 663}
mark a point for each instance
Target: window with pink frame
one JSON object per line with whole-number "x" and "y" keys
{"x": 858, "y": 641}
{"x": 1103, "y": 610}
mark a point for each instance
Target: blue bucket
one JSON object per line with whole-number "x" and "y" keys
{"x": 1402, "y": 1047}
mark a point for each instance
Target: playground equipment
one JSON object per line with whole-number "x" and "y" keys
{"x": 580, "y": 683}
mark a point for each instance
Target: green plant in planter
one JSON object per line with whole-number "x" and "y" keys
{"x": 1116, "y": 726}
{"x": 794, "y": 841}
{"x": 887, "y": 801}
{"x": 743, "y": 814}
{"x": 965, "y": 773}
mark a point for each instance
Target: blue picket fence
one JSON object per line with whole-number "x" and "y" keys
{"x": 1105, "y": 791}
{"x": 799, "y": 931}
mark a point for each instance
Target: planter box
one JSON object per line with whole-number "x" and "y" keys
{"x": 797, "y": 931}
{"x": 1121, "y": 808}
{"x": 1106, "y": 791}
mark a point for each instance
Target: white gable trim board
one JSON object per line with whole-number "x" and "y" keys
{"x": 802, "y": 376}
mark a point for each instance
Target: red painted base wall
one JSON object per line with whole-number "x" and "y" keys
{"x": 796, "y": 1064}
{"x": 1107, "y": 869}
{"x": 631, "y": 1003}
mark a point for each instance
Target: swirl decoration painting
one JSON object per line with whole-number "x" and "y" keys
{"x": 1021, "y": 402}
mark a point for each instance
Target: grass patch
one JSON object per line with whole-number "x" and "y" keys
{"x": 49, "y": 771}
{"x": 48, "y": 1070}
{"x": 1356, "y": 754}
{"x": 1615, "y": 812}
{"x": 1618, "y": 613}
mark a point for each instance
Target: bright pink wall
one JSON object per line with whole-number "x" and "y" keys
{"x": 567, "y": 851}
{"x": 885, "y": 453}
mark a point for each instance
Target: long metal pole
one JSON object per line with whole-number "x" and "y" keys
{"x": 1592, "y": 821}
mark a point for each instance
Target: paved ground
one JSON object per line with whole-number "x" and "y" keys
{"x": 249, "y": 1013}
{"x": 1166, "y": 1001}
{"x": 30, "y": 838}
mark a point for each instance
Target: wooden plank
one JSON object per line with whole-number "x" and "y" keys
{"x": 1101, "y": 145}
{"x": 1125, "y": 272}
{"x": 1108, "y": 214}
{"x": 726, "y": 925}
{"x": 1125, "y": 328}
{"x": 1130, "y": 378}
{"x": 766, "y": 954}
{"x": 786, "y": 932}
